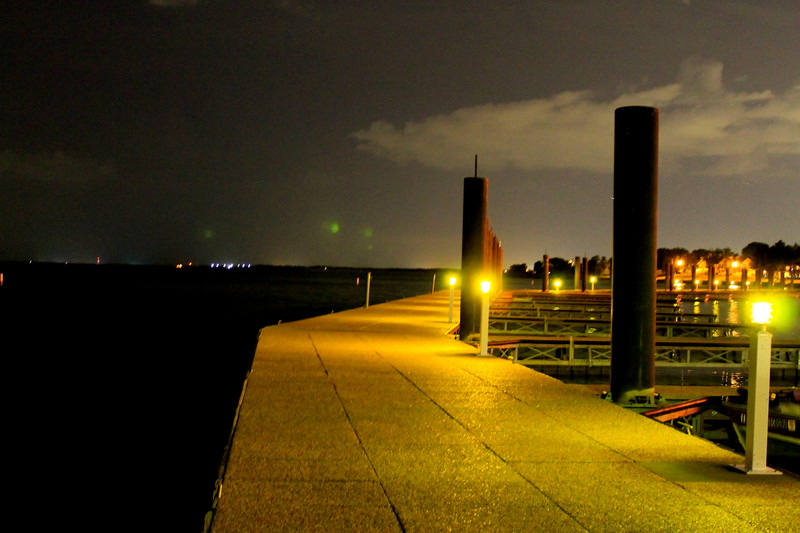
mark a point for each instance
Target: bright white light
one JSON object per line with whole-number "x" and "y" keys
{"x": 486, "y": 286}
{"x": 762, "y": 312}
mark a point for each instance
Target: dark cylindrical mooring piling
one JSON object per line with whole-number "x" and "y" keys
{"x": 585, "y": 275}
{"x": 545, "y": 273}
{"x": 633, "y": 310}
{"x": 669, "y": 278}
{"x": 473, "y": 246}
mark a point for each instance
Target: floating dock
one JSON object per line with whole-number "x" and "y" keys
{"x": 574, "y": 329}
{"x": 377, "y": 419}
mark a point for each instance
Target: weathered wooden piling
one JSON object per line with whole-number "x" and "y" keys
{"x": 498, "y": 265}
{"x": 546, "y": 273}
{"x": 474, "y": 247}
{"x": 585, "y": 276}
{"x": 669, "y": 277}
{"x": 634, "y": 245}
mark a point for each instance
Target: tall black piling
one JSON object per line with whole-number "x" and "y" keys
{"x": 585, "y": 275}
{"x": 474, "y": 244}
{"x": 633, "y": 309}
{"x": 546, "y": 273}
{"x": 669, "y": 277}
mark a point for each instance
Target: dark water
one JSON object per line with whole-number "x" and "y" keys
{"x": 121, "y": 382}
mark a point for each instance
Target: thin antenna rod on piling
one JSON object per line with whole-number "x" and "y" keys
{"x": 476, "y": 165}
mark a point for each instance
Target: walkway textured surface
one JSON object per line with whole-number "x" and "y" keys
{"x": 375, "y": 420}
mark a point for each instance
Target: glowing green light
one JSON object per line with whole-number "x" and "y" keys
{"x": 335, "y": 227}
{"x": 208, "y": 234}
{"x": 368, "y": 232}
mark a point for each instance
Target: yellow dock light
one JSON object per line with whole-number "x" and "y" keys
{"x": 486, "y": 286}
{"x": 453, "y": 281}
{"x": 762, "y": 313}
{"x": 593, "y": 280}
{"x": 557, "y": 284}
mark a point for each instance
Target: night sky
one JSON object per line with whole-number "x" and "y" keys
{"x": 312, "y": 132}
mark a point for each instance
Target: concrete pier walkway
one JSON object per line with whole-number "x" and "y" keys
{"x": 375, "y": 420}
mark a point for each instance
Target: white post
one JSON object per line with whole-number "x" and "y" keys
{"x": 452, "y": 297}
{"x": 485, "y": 288}
{"x": 369, "y": 279}
{"x": 755, "y": 458}
{"x": 433, "y": 283}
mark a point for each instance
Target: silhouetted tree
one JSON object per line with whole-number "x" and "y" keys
{"x": 560, "y": 266}
{"x": 693, "y": 257}
{"x": 665, "y": 256}
{"x": 598, "y": 265}
{"x": 757, "y": 253}
{"x": 519, "y": 270}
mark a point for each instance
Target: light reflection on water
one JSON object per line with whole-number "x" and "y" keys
{"x": 786, "y": 311}
{"x": 701, "y": 376}
{"x": 733, "y": 312}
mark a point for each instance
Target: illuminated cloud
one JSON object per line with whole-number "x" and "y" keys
{"x": 704, "y": 128}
